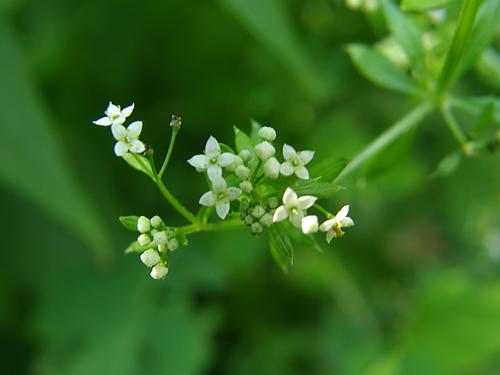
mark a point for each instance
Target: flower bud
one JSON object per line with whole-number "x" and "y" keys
{"x": 150, "y": 257}
{"x": 266, "y": 220}
{"x": 242, "y": 172}
{"x": 272, "y": 168}
{"x": 264, "y": 150}
{"x": 245, "y": 155}
{"x": 173, "y": 244}
{"x": 267, "y": 133}
{"x": 176, "y": 121}
{"x": 246, "y": 186}
{"x": 249, "y": 219}
{"x": 235, "y": 164}
{"x": 143, "y": 224}
{"x": 244, "y": 204}
{"x": 160, "y": 237}
{"x": 143, "y": 239}
{"x": 257, "y": 228}
{"x": 156, "y": 221}
{"x": 309, "y": 224}
{"x": 272, "y": 202}
{"x": 162, "y": 248}
{"x": 258, "y": 212}
{"x": 159, "y": 272}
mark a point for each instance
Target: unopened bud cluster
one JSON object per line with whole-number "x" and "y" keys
{"x": 258, "y": 216}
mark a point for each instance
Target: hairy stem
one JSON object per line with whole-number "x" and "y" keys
{"x": 404, "y": 125}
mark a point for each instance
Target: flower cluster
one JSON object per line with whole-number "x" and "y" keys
{"x": 258, "y": 215}
{"x": 127, "y": 138}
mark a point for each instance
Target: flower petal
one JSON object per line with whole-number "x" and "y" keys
{"x": 137, "y": 146}
{"x": 214, "y": 172}
{"x": 127, "y": 111}
{"x": 112, "y": 110}
{"x": 280, "y": 214}
{"x": 305, "y": 157}
{"x": 212, "y": 148}
{"x": 226, "y": 159}
{"x": 296, "y": 218}
{"x": 103, "y": 121}
{"x": 306, "y": 201}
{"x": 222, "y": 209}
{"x": 342, "y": 214}
{"x": 121, "y": 148}
{"x": 327, "y": 225}
{"x": 330, "y": 235}
{"x": 309, "y": 224}
{"x": 134, "y": 129}
{"x": 233, "y": 193}
{"x": 199, "y": 161}
{"x": 286, "y": 168}
{"x": 219, "y": 185}
{"x": 289, "y": 152}
{"x": 118, "y": 131}
{"x": 208, "y": 199}
{"x": 302, "y": 172}
{"x": 289, "y": 198}
{"x": 346, "y": 222}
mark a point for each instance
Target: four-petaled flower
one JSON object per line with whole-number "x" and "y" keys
{"x": 333, "y": 227}
{"x": 295, "y": 162}
{"x": 212, "y": 160}
{"x": 128, "y": 138}
{"x": 114, "y": 115}
{"x": 293, "y": 207}
{"x": 220, "y": 196}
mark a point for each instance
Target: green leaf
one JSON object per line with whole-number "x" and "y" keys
{"x": 254, "y": 133}
{"x": 242, "y": 141}
{"x": 280, "y": 246}
{"x": 379, "y": 70}
{"x": 139, "y": 162}
{"x": 488, "y": 67}
{"x": 422, "y": 5}
{"x": 129, "y": 222}
{"x": 316, "y": 188}
{"x": 476, "y": 105}
{"x": 407, "y": 34}
{"x": 448, "y": 165}
{"x": 328, "y": 168}
{"x": 33, "y": 161}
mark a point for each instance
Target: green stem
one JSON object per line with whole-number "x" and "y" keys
{"x": 322, "y": 210}
{"x": 458, "y": 46}
{"x": 169, "y": 152}
{"x": 175, "y": 203}
{"x": 404, "y": 125}
{"x": 453, "y": 125}
{"x": 212, "y": 227}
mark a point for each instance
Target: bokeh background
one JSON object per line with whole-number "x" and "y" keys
{"x": 414, "y": 288}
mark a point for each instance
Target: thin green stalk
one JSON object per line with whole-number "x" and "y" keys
{"x": 458, "y": 46}
{"x": 404, "y": 125}
{"x": 322, "y": 210}
{"x": 175, "y": 130}
{"x": 212, "y": 227}
{"x": 453, "y": 125}
{"x": 175, "y": 203}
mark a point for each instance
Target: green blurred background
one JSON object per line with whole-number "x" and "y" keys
{"x": 414, "y": 288}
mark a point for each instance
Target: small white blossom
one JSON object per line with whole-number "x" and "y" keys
{"x": 295, "y": 162}
{"x": 333, "y": 227}
{"x": 128, "y": 138}
{"x": 242, "y": 172}
{"x": 150, "y": 257}
{"x": 264, "y": 150}
{"x": 245, "y": 155}
{"x": 160, "y": 237}
{"x": 144, "y": 239}
{"x": 114, "y": 115}
{"x": 220, "y": 196}
{"x": 310, "y": 224}
{"x": 143, "y": 224}
{"x": 162, "y": 248}
{"x": 159, "y": 271}
{"x": 156, "y": 221}
{"x": 293, "y": 207}
{"x": 212, "y": 160}
{"x": 173, "y": 244}
{"x": 267, "y": 133}
{"x": 246, "y": 186}
{"x": 272, "y": 168}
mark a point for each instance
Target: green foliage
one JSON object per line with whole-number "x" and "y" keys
{"x": 140, "y": 163}
{"x": 422, "y": 5}
{"x": 129, "y": 222}
{"x": 281, "y": 246}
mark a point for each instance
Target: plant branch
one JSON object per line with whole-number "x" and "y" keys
{"x": 453, "y": 125}
{"x": 175, "y": 203}
{"x": 175, "y": 130}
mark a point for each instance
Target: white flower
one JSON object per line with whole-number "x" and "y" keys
{"x": 173, "y": 244}
{"x": 333, "y": 227}
{"x": 144, "y": 239}
{"x": 143, "y": 224}
{"x": 267, "y": 133}
{"x": 246, "y": 186}
{"x": 272, "y": 168}
{"x": 310, "y": 224}
{"x": 114, "y": 115}
{"x": 264, "y": 150}
{"x": 128, "y": 138}
{"x": 220, "y": 196}
{"x": 295, "y": 162}
{"x": 212, "y": 160}
{"x": 150, "y": 257}
{"x": 293, "y": 207}
{"x": 160, "y": 237}
{"x": 159, "y": 272}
